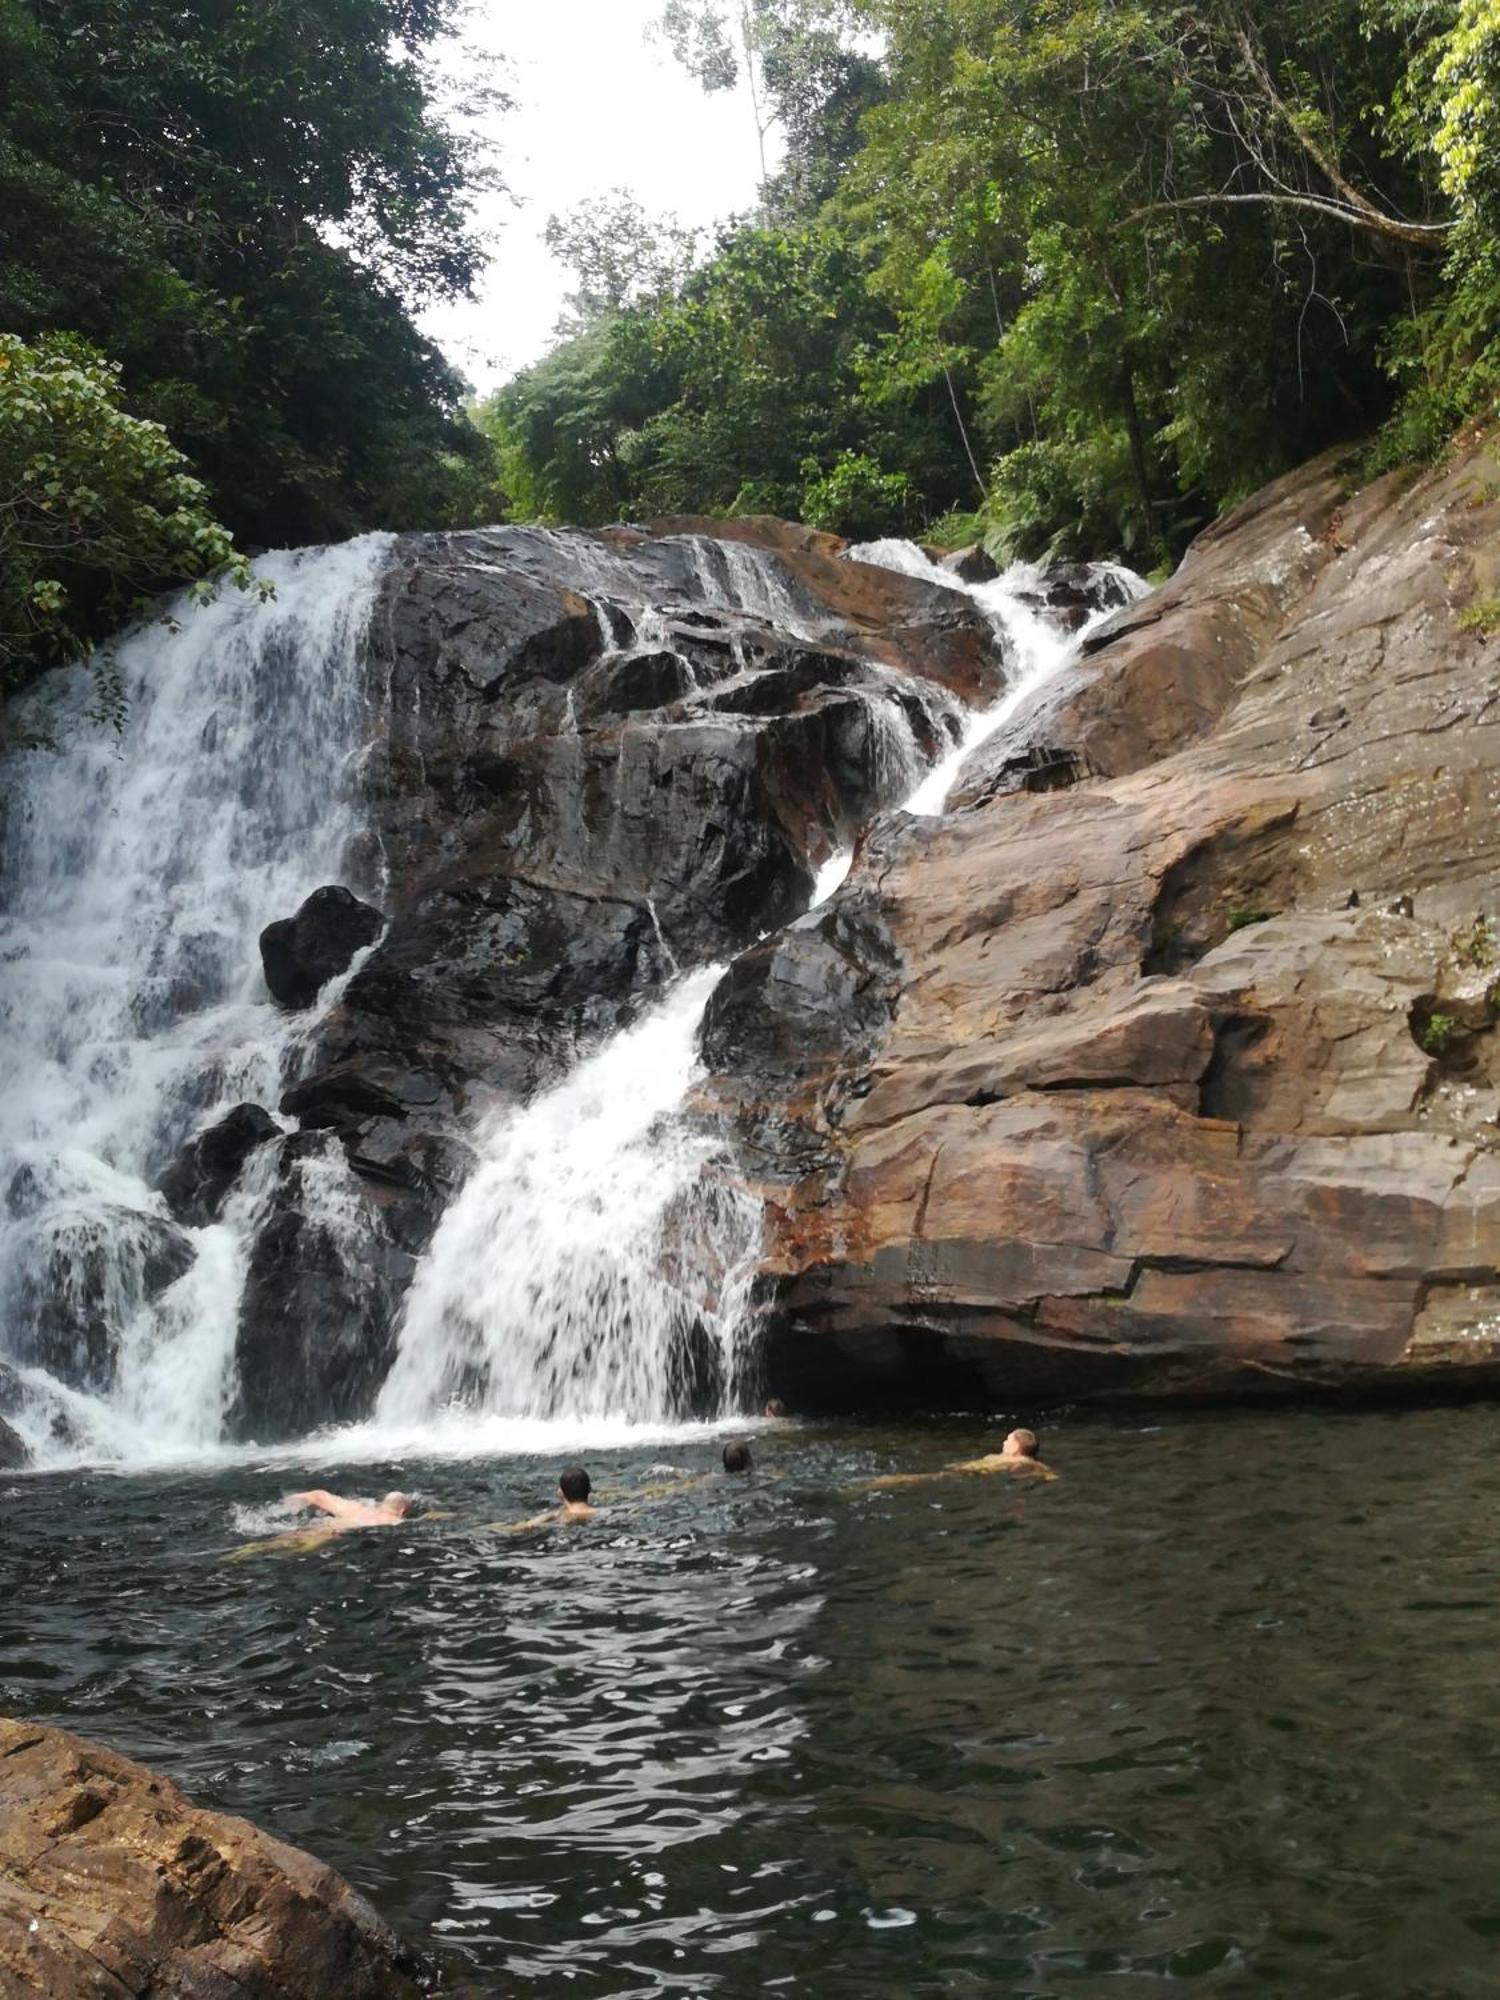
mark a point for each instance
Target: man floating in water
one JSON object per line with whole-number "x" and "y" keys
{"x": 573, "y": 1489}
{"x": 1017, "y": 1456}
{"x": 344, "y": 1513}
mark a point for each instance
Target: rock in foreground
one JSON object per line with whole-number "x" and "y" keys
{"x": 113, "y": 1883}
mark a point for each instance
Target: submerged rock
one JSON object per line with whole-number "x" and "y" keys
{"x": 198, "y": 1182}
{"x": 113, "y": 1882}
{"x": 300, "y": 954}
{"x": 1176, "y": 1074}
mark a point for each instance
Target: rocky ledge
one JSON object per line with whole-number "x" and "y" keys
{"x": 1166, "y": 1062}
{"x": 113, "y": 1883}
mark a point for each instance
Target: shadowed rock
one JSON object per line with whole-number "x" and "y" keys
{"x": 301, "y": 954}
{"x": 197, "y": 1183}
{"x": 113, "y": 1883}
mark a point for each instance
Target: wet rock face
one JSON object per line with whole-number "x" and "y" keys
{"x": 112, "y": 1882}
{"x": 317, "y": 1324}
{"x": 300, "y": 954}
{"x": 13, "y": 1452}
{"x": 198, "y": 1182}
{"x": 84, "y": 1281}
{"x": 610, "y": 758}
{"x": 1167, "y": 1062}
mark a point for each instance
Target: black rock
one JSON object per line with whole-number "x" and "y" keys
{"x": 317, "y": 1326}
{"x": 13, "y": 1453}
{"x": 972, "y": 565}
{"x": 302, "y": 953}
{"x": 196, "y": 1184}
{"x": 82, "y": 1284}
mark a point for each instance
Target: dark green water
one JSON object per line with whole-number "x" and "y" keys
{"x": 1216, "y": 1712}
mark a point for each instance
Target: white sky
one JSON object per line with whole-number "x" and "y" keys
{"x": 597, "y": 107}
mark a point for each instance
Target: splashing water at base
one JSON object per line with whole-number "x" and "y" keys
{"x": 591, "y": 1267}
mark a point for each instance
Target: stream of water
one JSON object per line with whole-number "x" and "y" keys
{"x": 1209, "y": 1714}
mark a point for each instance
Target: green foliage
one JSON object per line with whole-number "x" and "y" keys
{"x": 1241, "y": 915}
{"x": 95, "y": 505}
{"x": 239, "y": 204}
{"x": 855, "y": 498}
{"x": 955, "y": 530}
{"x": 1093, "y": 271}
{"x": 1482, "y": 617}
{"x": 1438, "y": 1033}
{"x": 1475, "y": 945}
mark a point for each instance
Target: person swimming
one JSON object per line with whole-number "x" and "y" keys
{"x": 342, "y": 1513}
{"x": 573, "y": 1489}
{"x": 1017, "y": 1454}
{"x": 775, "y": 1408}
{"x": 736, "y": 1456}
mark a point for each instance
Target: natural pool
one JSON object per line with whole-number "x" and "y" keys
{"x": 1214, "y": 1712}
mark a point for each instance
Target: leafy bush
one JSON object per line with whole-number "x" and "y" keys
{"x": 96, "y": 506}
{"x": 855, "y": 498}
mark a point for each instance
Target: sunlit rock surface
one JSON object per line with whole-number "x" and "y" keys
{"x": 112, "y": 1883}
{"x": 1166, "y": 1061}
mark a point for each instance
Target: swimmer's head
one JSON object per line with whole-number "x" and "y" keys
{"x": 737, "y": 1456}
{"x": 575, "y": 1485}
{"x": 1021, "y": 1444}
{"x": 399, "y": 1504}
{"x": 776, "y": 1408}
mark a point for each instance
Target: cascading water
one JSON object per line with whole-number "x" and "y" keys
{"x": 139, "y": 871}
{"x": 590, "y": 1264}
{"x": 595, "y": 1267}
{"x": 1039, "y": 645}
{"x": 589, "y": 1268}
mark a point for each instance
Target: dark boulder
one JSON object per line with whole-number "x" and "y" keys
{"x": 1075, "y": 592}
{"x": 13, "y": 1452}
{"x": 973, "y": 564}
{"x": 112, "y": 1882}
{"x": 318, "y": 1314}
{"x": 84, "y": 1277}
{"x": 301, "y": 954}
{"x": 197, "y": 1183}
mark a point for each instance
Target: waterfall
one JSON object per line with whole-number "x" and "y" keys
{"x": 589, "y": 1268}
{"x": 595, "y": 1268}
{"x": 139, "y": 869}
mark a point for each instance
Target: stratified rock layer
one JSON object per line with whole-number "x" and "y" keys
{"x": 1165, "y": 1063}
{"x": 112, "y": 1883}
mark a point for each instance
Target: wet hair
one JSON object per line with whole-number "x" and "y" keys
{"x": 1024, "y": 1442}
{"x": 737, "y": 1456}
{"x": 776, "y": 1408}
{"x": 575, "y": 1484}
{"x": 403, "y": 1501}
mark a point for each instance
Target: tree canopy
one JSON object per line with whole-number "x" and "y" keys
{"x": 1083, "y": 272}
{"x": 239, "y": 206}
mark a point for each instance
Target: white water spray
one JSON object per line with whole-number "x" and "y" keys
{"x": 1040, "y": 647}
{"x": 588, "y": 1269}
{"x": 140, "y": 870}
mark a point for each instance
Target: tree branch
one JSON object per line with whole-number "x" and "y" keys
{"x": 1426, "y": 235}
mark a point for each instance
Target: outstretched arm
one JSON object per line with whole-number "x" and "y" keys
{"x": 326, "y": 1503}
